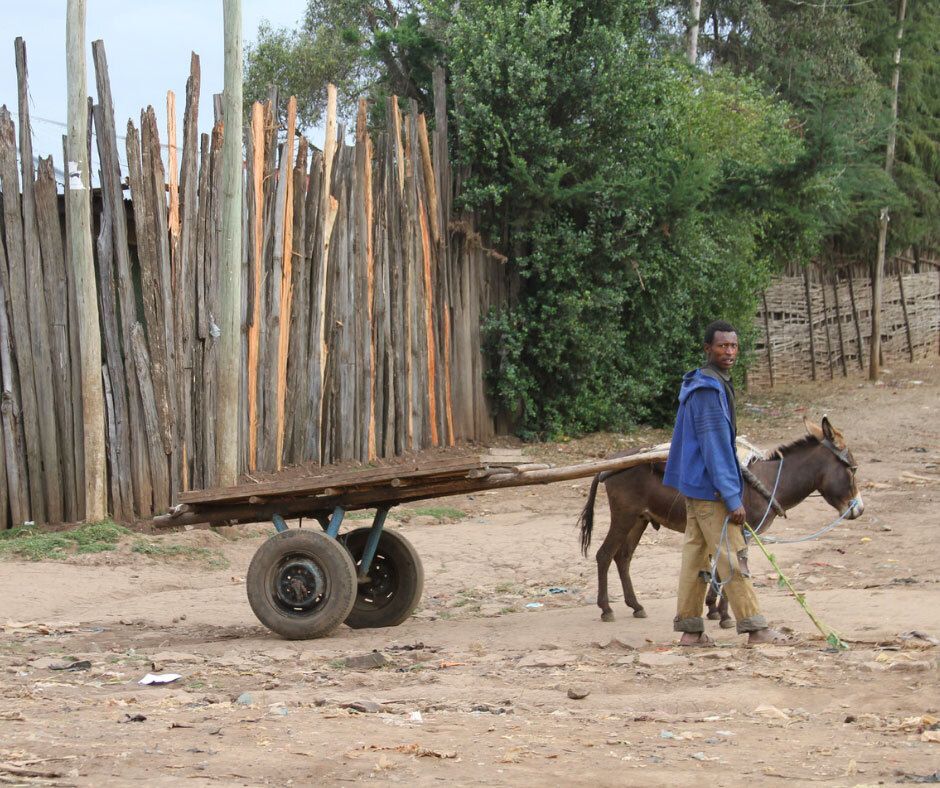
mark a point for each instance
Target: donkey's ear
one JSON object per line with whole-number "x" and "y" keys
{"x": 813, "y": 429}
{"x": 827, "y": 429}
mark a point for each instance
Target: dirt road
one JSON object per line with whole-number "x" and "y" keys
{"x": 475, "y": 688}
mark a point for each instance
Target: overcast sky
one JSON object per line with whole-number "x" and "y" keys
{"x": 148, "y": 44}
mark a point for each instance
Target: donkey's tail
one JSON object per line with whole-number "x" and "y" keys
{"x": 586, "y": 521}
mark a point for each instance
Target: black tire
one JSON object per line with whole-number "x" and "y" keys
{"x": 396, "y": 580}
{"x": 301, "y": 584}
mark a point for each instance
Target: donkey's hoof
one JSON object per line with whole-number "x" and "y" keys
{"x": 639, "y": 613}
{"x": 608, "y": 616}
{"x": 713, "y": 615}
{"x": 726, "y": 623}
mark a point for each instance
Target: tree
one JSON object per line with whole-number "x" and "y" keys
{"x": 374, "y": 48}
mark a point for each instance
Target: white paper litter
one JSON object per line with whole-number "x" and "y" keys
{"x": 159, "y": 678}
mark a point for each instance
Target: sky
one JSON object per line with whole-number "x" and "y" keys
{"x": 148, "y": 45}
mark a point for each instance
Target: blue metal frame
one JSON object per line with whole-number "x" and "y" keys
{"x": 332, "y": 526}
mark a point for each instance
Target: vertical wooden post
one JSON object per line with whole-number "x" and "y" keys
{"x": 855, "y": 320}
{"x": 874, "y": 361}
{"x": 809, "y": 320}
{"x": 907, "y": 321}
{"x": 770, "y": 358}
{"x": 80, "y": 257}
{"x": 231, "y": 251}
{"x": 835, "y": 297}
{"x": 254, "y": 331}
{"x": 285, "y": 216}
{"x": 822, "y": 289}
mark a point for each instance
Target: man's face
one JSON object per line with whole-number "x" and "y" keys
{"x": 723, "y": 350}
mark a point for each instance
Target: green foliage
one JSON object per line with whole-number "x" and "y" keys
{"x": 638, "y": 199}
{"x": 34, "y": 544}
{"x": 212, "y": 558}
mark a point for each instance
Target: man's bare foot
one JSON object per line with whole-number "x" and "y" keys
{"x": 695, "y": 639}
{"x": 767, "y": 636}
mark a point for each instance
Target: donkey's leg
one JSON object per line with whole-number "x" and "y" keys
{"x": 623, "y": 559}
{"x": 616, "y": 536}
{"x": 718, "y": 608}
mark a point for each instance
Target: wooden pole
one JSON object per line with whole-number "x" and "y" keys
{"x": 82, "y": 261}
{"x": 874, "y": 359}
{"x": 809, "y": 319}
{"x": 770, "y": 358}
{"x": 695, "y": 12}
{"x": 858, "y": 325}
{"x": 231, "y": 252}
{"x": 907, "y": 321}
{"x": 254, "y": 330}
{"x": 825, "y": 301}
{"x": 835, "y": 298}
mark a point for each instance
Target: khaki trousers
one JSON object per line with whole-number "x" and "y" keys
{"x": 703, "y": 526}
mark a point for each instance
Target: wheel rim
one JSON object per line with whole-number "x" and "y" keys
{"x": 382, "y": 585}
{"x": 299, "y": 585}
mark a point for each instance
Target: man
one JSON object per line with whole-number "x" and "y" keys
{"x": 703, "y": 466}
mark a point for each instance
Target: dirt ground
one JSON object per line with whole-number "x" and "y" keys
{"x": 475, "y": 688}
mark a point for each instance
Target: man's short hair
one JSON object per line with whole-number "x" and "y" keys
{"x": 715, "y": 326}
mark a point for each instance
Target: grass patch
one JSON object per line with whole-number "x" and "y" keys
{"x": 365, "y": 514}
{"x": 439, "y": 512}
{"x": 35, "y": 545}
{"x": 212, "y": 558}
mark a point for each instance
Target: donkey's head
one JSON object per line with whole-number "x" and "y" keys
{"x": 836, "y": 478}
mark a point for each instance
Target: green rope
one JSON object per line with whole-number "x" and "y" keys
{"x": 832, "y": 637}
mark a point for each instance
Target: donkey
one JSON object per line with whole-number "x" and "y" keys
{"x": 818, "y": 461}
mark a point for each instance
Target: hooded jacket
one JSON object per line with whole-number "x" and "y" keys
{"x": 702, "y": 462}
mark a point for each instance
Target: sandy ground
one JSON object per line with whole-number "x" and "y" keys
{"x": 475, "y": 688}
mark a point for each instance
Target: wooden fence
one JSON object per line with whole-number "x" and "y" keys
{"x": 818, "y": 326}
{"x": 362, "y": 296}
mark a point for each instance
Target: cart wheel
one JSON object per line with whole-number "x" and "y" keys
{"x": 396, "y": 580}
{"x": 301, "y": 584}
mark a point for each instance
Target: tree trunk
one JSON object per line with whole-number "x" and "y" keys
{"x": 695, "y": 11}
{"x": 874, "y": 363}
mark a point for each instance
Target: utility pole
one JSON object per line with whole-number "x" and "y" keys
{"x": 695, "y": 13}
{"x": 874, "y": 361}
{"x": 82, "y": 261}
{"x": 231, "y": 252}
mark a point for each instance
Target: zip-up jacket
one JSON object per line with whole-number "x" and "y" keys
{"x": 702, "y": 462}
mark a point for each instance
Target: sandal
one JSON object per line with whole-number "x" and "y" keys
{"x": 704, "y": 641}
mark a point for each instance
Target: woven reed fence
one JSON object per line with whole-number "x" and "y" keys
{"x": 362, "y": 295}
{"x": 816, "y": 326}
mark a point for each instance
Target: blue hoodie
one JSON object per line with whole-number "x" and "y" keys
{"x": 702, "y": 462}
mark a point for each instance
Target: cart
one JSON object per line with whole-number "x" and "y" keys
{"x": 304, "y": 582}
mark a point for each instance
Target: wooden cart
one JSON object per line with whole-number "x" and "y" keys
{"x": 304, "y": 582}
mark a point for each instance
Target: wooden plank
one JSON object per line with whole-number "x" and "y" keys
{"x": 19, "y": 320}
{"x": 116, "y": 408}
{"x": 78, "y": 415}
{"x": 408, "y": 470}
{"x": 56, "y": 288}
{"x": 825, "y": 301}
{"x": 158, "y": 465}
{"x": 395, "y": 255}
{"x": 767, "y": 340}
{"x": 835, "y": 298}
{"x": 256, "y": 201}
{"x": 299, "y": 311}
{"x": 365, "y": 291}
{"x": 809, "y": 320}
{"x": 113, "y": 194}
{"x": 430, "y": 183}
{"x": 164, "y": 297}
{"x": 328, "y": 208}
{"x": 411, "y": 303}
{"x": 286, "y": 217}
{"x": 907, "y": 320}
{"x": 296, "y": 502}
{"x": 858, "y": 325}
{"x": 35, "y": 304}
{"x": 212, "y": 302}
{"x": 307, "y": 429}
{"x": 118, "y": 506}
{"x": 14, "y": 458}
{"x": 201, "y": 329}
{"x": 429, "y": 325}
{"x": 189, "y": 199}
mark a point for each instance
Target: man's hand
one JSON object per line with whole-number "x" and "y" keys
{"x": 738, "y": 516}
